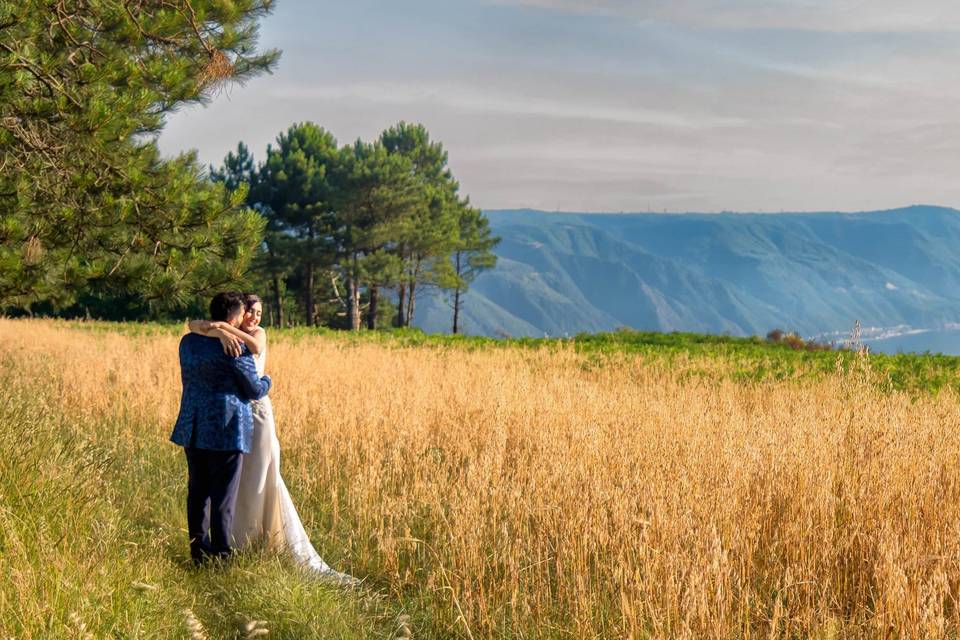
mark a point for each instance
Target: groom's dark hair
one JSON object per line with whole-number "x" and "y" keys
{"x": 225, "y": 304}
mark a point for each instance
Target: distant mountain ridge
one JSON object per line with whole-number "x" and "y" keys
{"x": 738, "y": 273}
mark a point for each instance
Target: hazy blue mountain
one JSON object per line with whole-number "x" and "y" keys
{"x": 737, "y": 273}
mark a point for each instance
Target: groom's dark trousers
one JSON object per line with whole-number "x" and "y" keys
{"x": 214, "y": 428}
{"x": 212, "y": 481}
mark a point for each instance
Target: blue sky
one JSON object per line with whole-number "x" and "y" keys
{"x": 617, "y": 105}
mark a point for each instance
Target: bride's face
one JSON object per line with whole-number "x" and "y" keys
{"x": 251, "y": 318}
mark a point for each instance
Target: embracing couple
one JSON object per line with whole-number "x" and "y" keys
{"x": 235, "y": 495}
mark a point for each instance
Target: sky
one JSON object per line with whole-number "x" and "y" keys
{"x": 619, "y": 105}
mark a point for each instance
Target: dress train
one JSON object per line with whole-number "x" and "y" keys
{"x": 264, "y": 513}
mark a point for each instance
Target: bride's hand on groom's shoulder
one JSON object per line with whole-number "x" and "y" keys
{"x": 232, "y": 346}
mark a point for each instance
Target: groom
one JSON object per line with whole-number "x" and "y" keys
{"x": 215, "y": 428}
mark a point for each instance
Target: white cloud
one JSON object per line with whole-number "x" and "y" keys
{"x": 493, "y": 101}
{"x": 818, "y": 15}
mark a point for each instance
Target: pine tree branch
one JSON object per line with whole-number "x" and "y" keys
{"x": 144, "y": 32}
{"x": 13, "y": 21}
{"x": 336, "y": 292}
{"x": 192, "y": 19}
{"x": 46, "y": 79}
{"x": 62, "y": 15}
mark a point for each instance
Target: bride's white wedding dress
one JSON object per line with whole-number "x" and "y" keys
{"x": 264, "y": 513}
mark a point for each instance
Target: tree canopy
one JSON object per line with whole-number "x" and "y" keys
{"x": 88, "y": 204}
{"x": 355, "y": 232}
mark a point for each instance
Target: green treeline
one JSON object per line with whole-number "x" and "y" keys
{"x": 94, "y": 222}
{"x": 356, "y": 233}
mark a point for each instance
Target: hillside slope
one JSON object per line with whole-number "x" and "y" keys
{"x": 743, "y": 274}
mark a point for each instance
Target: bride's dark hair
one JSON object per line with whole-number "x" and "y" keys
{"x": 250, "y": 299}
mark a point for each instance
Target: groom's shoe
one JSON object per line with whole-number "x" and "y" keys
{"x": 200, "y": 553}
{"x": 200, "y": 557}
{"x": 200, "y": 549}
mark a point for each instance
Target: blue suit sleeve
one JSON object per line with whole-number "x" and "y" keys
{"x": 251, "y": 385}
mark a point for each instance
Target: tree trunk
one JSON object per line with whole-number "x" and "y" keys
{"x": 372, "y": 311}
{"x": 411, "y": 304}
{"x": 401, "y": 297}
{"x": 456, "y": 310}
{"x": 354, "y": 292}
{"x": 456, "y": 294}
{"x": 311, "y": 306}
{"x": 309, "y": 285}
{"x": 277, "y": 301}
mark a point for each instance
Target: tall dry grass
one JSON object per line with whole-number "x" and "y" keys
{"x": 534, "y": 494}
{"x": 91, "y": 527}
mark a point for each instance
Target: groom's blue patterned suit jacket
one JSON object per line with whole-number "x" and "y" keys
{"x": 217, "y": 389}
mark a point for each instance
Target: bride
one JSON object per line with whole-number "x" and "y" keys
{"x": 264, "y": 513}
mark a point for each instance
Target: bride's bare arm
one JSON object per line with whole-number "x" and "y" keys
{"x": 256, "y": 341}
{"x": 203, "y": 327}
{"x": 231, "y": 343}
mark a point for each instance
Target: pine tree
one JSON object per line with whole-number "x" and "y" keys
{"x": 377, "y": 192}
{"x": 87, "y": 202}
{"x": 295, "y": 187}
{"x": 238, "y": 170}
{"x": 429, "y": 230}
{"x": 270, "y": 265}
{"x": 473, "y": 253}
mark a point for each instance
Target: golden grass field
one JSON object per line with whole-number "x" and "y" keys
{"x": 531, "y": 493}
